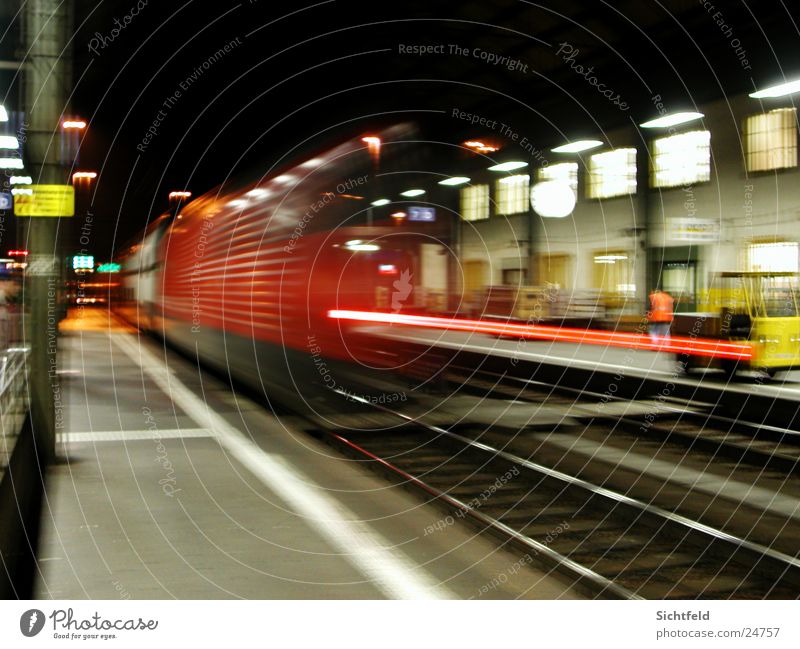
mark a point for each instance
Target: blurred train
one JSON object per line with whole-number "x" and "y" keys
{"x": 268, "y": 280}
{"x": 244, "y": 276}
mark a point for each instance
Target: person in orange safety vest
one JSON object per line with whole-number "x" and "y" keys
{"x": 661, "y": 313}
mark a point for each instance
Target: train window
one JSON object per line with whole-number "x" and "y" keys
{"x": 475, "y": 202}
{"x": 681, "y": 159}
{"x": 511, "y": 194}
{"x": 564, "y": 171}
{"x": 771, "y": 140}
{"x": 776, "y": 257}
{"x": 612, "y": 173}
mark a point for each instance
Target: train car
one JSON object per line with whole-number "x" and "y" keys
{"x": 244, "y": 279}
{"x": 758, "y": 309}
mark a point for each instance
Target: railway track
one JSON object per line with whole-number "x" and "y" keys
{"x": 672, "y": 419}
{"x": 605, "y": 540}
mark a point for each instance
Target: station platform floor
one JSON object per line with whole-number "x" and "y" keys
{"x": 596, "y": 358}
{"x": 170, "y": 485}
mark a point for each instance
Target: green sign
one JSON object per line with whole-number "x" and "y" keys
{"x": 83, "y": 262}
{"x": 109, "y": 268}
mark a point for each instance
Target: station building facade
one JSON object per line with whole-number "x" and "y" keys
{"x": 666, "y": 206}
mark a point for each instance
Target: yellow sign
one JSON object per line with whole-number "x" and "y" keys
{"x": 45, "y": 200}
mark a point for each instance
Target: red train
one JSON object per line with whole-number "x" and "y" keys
{"x": 244, "y": 279}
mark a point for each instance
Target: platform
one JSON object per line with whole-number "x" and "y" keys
{"x": 597, "y": 359}
{"x": 170, "y": 485}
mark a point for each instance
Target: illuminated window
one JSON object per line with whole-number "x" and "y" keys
{"x": 613, "y": 272}
{"x": 612, "y": 173}
{"x": 771, "y": 140}
{"x": 511, "y": 194}
{"x": 565, "y": 171}
{"x": 781, "y": 256}
{"x": 475, "y": 202}
{"x": 681, "y": 159}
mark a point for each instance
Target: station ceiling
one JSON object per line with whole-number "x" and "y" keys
{"x": 293, "y": 72}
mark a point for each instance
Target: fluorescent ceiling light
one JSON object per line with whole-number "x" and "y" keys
{"x": 20, "y": 180}
{"x": 410, "y": 193}
{"x": 777, "y": 91}
{"x": 455, "y": 180}
{"x": 8, "y": 142}
{"x": 25, "y": 191}
{"x": 10, "y": 163}
{"x": 509, "y": 166}
{"x": 239, "y": 202}
{"x": 258, "y": 193}
{"x": 671, "y": 120}
{"x": 3, "y": 114}
{"x": 357, "y": 245}
{"x": 579, "y": 145}
{"x": 381, "y": 201}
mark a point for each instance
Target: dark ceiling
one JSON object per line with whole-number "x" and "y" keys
{"x": 298, "y": 73}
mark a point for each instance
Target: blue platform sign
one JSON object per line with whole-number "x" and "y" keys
{"x": 424, "y": 214}
{"x": 6, "y": 201}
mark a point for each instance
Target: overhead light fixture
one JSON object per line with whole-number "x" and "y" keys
{"x": 398, "y": 215}
{"x": 283, "y": 178}
{"x": 357, "y": 245}
{"x": 258, "y": 192}
{"x": 21, "y": 191}
{"x": 553, "y": 199}
{"x": 372, "y": 142}
{"x": 455, "y": 180}
{"x": 610, "y": 258}
{"x": 11, "y": 163}
{"x": 20, "y": 180}
{"x": 672, "y": 120}
{"x": 579, "y": 145}
{"x": 780, "y": 90}
{"x": 509, "y": 166}
{"x": 85, "y": 175}
{"x": 314, "y": 162}
{"x": 239, "y": 202}
{"x": 381, "y": 201}
{"x": 9, "y": 142}
{"x": 74, "y": 124}
{"x": 410, "y": 193}
{"x": 480, "y": 147}
{"x": 3, "y": 114}
{"x": 180, "y": 194}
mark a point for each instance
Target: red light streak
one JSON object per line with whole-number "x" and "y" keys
{"x": 675, "y": 344}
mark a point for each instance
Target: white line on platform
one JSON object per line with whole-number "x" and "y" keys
{"x": 394, "y": 574}
{"x": 131, "y": 435}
